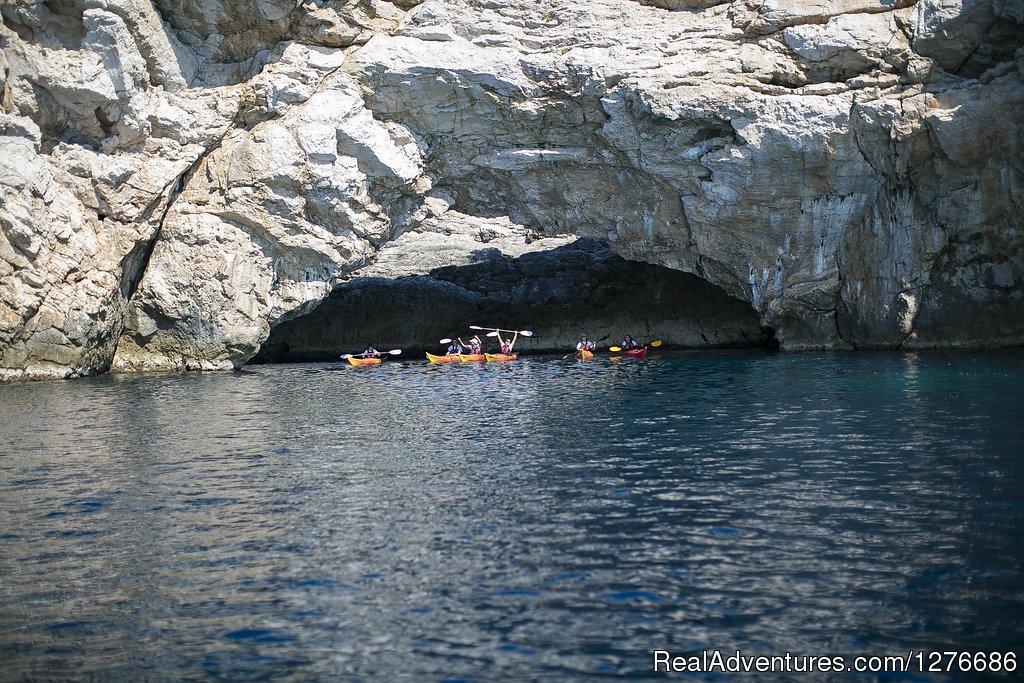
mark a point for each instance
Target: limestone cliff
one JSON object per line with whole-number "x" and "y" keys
{"x": 178, "y": 178}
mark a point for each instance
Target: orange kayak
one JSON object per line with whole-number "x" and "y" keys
{"x": 442, "y": 359}
{"x": 471, "y": 357}
{"x": 583, "y": 354}
{"x": 364, "y": 361}
{"x": 492, "y": 357}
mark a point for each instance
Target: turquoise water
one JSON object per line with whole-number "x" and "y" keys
{"x": 542, "y": 519}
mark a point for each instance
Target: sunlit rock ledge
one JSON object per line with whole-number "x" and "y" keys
{"x": 179, "y": 179}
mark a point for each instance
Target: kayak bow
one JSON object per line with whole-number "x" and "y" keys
{"x": 442, "y": 359}
{"x": 492, "y": 357}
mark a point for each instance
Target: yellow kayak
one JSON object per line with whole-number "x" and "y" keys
{"x": 364, "y": 361}
{"x": 583, "y": 354}
{"x": 492, "y": 357}
{"x": 442, "y": 359}
{"x": 471, "y": 357}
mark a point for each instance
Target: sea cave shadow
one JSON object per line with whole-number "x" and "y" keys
{"x": 557, "y": 294}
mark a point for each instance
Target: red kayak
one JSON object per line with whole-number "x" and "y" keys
{"x": 636, "y": 353}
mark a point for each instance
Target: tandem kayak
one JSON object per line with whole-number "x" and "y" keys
{"x": 442, "y": 359}
{"x": 583, "y": 354}
{"x": 364, "y": 361}
{"x": 636, "y": 353}
{"x": 471, "y": 357}
{"x": 492, "y": 357}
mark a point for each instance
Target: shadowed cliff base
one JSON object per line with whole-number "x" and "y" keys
{"x": 558, "y": 294}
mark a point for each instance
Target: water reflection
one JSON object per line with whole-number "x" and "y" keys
{"x": 490, "y": 521}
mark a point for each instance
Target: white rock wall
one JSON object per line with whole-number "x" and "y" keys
{"x": 178, "y": 177}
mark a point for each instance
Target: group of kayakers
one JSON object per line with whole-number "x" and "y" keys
{"x": 472, "y": 349}
{"x": 457, "y": 347}
{"x": 585, "y": 346}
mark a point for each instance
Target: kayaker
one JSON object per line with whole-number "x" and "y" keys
{"x": 455, "y": 348}
{"x": 371, "y": 352}
{"x": 584, "y": 345}
{"x": 475, "y": 346}
{"x": 507, "y": 344}
{"x": 629, "y": 344}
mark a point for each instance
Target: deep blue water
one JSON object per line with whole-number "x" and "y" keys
{"x": 542, "y": 519}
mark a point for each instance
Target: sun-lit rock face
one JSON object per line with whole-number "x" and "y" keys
{"x": 177, "y": 177}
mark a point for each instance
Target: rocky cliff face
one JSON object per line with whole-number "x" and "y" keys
{"x": 179, "y": 178}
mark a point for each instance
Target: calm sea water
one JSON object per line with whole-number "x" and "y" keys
{"x": 543, "y": 519}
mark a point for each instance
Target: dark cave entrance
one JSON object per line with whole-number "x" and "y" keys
{"x": 580, "y": 287}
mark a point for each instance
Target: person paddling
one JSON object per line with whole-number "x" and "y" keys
{"x": 629, "y": 344}
{"x": 371, "y": 352}
{"x": 475, "y": 346}
{"x": 507, "y": 344}
{"x": 584, "y": 345}
{"x": 455, "y": 348}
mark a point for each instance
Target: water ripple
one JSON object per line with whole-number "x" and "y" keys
{"x": 537, "y": 519}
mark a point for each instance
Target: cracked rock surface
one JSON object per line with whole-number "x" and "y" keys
{"x": 179, "y": 177}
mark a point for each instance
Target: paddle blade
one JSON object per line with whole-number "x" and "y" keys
{"x": 526, "y": 333}
{"x": 614, "y": 348}
{"x": 655, "y": 343}
{"x": 477, "y": 327}
{"x": 395, "y": 352}
{"x": 444, "y": 341}
{"x": 492, "y": 334}
{"x": 346, "y": 355}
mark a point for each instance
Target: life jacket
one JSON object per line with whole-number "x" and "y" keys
{"x": 454, "y": 348}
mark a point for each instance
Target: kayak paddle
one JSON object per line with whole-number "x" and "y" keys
{"x": 525, "y": 333}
